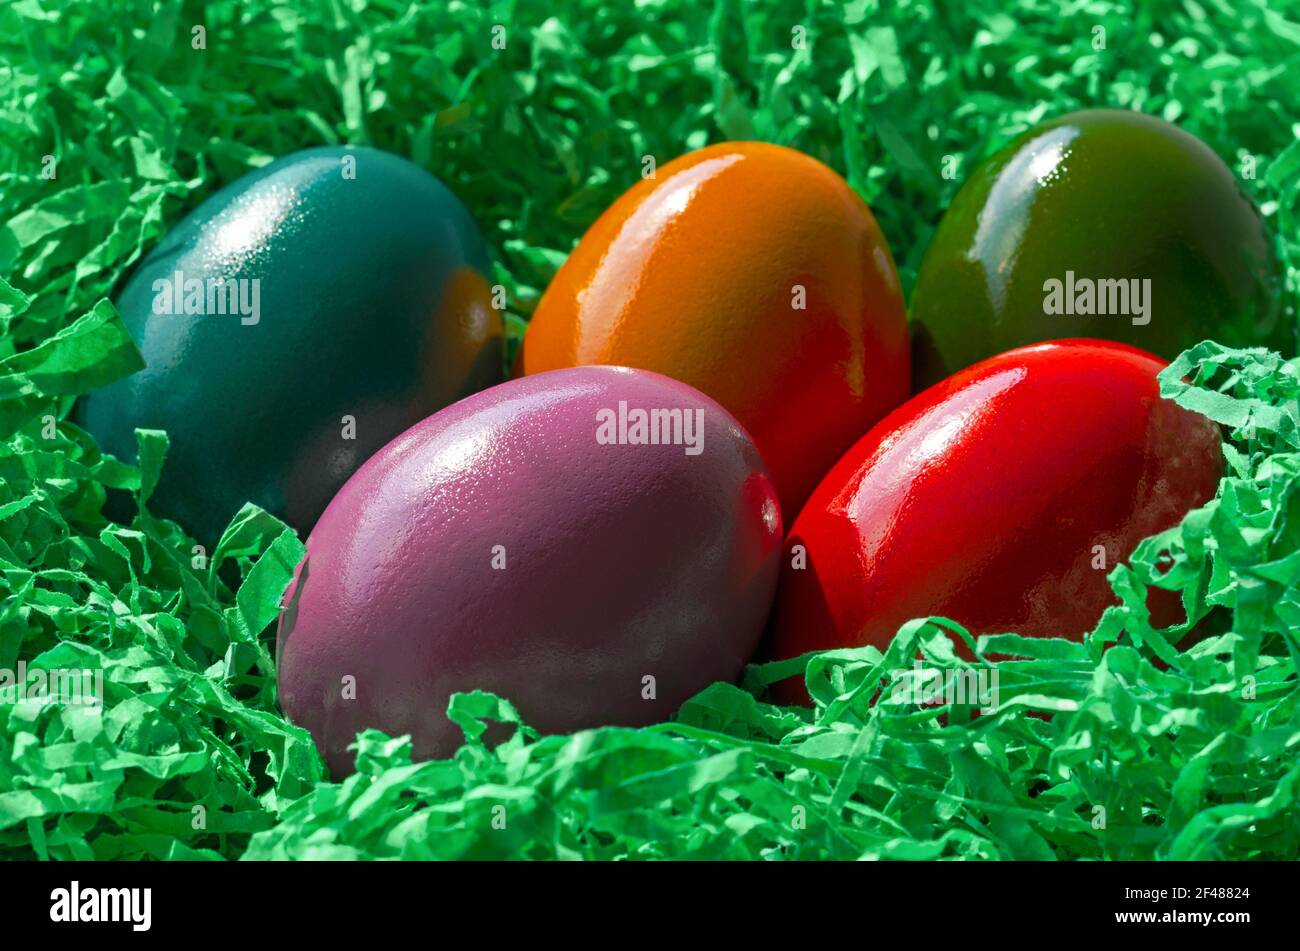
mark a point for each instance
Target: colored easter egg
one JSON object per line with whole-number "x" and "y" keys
{"x": 757, "y": 275}
{"x": 595, "y": 544}
{"x": 1001, "y": 498}
{"x": 1104, "y": 224}
{"x": 294, "y": 323}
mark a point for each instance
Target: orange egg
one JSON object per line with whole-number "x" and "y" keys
{"x": 753, "y": 273}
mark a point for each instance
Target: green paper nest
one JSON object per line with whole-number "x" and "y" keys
{"x": 1139, "y": 750}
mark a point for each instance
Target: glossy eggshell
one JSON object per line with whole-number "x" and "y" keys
{"x": 695, "y": 274}
{"x": 1105, "y": 194}
{"x": 983, "y": 500}
{"x": 373, "y": 303}
{"x": 621, "y": 562}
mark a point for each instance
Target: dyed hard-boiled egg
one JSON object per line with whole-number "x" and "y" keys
{"x": 755, "y": 274}
{"x": 294, "y": 323}
{"x": 1001, "y": 498}
{"x": 595, "y": 544}
{"x": 1104, "y": 224}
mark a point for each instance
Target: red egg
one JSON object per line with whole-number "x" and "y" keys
{"x": 1001, "y": 498}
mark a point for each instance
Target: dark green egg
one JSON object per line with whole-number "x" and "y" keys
{"x": 292, "y": 325}
{"x": 1047, "y": 238}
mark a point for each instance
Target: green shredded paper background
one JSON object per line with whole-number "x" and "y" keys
{"x": 1137, "y": 749}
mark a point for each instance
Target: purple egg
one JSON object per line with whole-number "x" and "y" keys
{"x": 595, "y": 544}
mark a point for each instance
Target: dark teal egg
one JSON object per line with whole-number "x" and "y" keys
{"x": 293, "y": 324}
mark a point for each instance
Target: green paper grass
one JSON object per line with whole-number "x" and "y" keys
{"x": 113, "y": 125}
